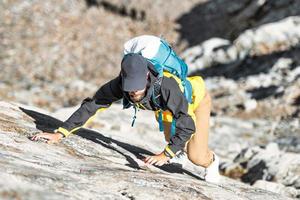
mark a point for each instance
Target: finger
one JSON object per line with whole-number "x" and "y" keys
{"x": 44, "y": 137}
{"x": 147, "y": 158}
{"x": 160, "y": 163}
{"x": 32, "y": 138}
{"x": 38, "y": 135}
{"x": 164, "y": 162}
{"x": 153, "y": 161}
{"x": 150, "y": 160}
{"x": 35, "y": 138}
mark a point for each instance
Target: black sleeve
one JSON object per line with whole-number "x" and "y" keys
{"x": 103, "y": 98}
{"x": 175, "y": 101}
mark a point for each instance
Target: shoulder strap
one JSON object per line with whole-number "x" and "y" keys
{"x": 156, "y": 100}
{"x": 156, "y": 92}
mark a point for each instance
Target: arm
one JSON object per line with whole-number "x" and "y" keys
{"x": 103, "y": 98}
{"x": 175, "y": 101}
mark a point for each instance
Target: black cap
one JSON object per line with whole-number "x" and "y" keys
{"x": 134, "y": 69}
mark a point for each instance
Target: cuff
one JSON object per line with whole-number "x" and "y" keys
{"x": 63, "y": 131}
{"x": 168, "y": 152}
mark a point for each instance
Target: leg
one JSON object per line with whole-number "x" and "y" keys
{"x": 197, "y": 147}
{"x": 167, "y": 131}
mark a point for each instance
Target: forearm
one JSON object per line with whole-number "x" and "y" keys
{"x": 102, "y": 99}
{"x": 185, "y": 127}
{"x": 81, "y": 116}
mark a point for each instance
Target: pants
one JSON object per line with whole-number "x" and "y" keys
{"x": 197, "y": 146}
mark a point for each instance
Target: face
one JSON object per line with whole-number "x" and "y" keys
{"x": 136, "y": 96}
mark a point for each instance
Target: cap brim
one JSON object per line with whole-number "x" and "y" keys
{"x": 134, "y": 84}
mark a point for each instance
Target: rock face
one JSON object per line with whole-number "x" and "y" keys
{"x": 229, "y": 18}
{"x": 258, "y": 166}
{"x": 259, "y": 70}
{"x": 247, "y": 51}
{"x": 267, "y": 39}
{"x": 96, "y": 165}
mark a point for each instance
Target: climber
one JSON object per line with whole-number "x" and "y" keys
{"x": 185, "y": 122}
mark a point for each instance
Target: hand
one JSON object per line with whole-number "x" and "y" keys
{"x": 158, "y": 160}
{"x": 49, "y": 137}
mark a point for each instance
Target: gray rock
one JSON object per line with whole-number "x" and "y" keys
{"x": 93, "y": 165}
{"x": 277, "y": 188}
{"x": 268, "y": 164}
{"x": 250, "y": 105}
{"x": 229, "y": 18}
{"x": 277, "y": 36}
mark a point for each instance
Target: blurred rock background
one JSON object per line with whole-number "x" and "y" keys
{"x": 53, "y": 54}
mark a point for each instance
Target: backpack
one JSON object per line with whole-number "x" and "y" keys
{"x": 164, "y": 59}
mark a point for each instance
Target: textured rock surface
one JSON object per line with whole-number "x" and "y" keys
{"x": 229, "y": 18}
{"x": 255, "y": 164}
{"x": 259, "y": 71}
{"x": 54, "y": 53}
{"x": 95, "y": 165}
{"x": 266, "y": 39}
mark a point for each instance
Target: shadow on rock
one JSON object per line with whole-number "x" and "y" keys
{"x": 47, "y": 123}
{"x": 250, "y": 65}
{"x": 137, "y": 151}
{"x": 228, "y": 18}
{"x": 43, "y": 122}
{"x": 121, "y": 10}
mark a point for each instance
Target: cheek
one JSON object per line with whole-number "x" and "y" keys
{"x": 141, "y": 93}
{"x": 138, "y": 93}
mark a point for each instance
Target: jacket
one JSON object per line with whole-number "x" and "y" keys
{"x": 169, "y": 97}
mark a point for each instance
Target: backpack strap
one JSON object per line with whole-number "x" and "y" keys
{"x": 156, "y": 92}
{"x": 155, "y": 99}
{"x": 173, "y": 127}
{"x": 187, "y": 90}
{"x": 134, "y": 117}
{"x": 168, "y": 47}
{"x": 127, "y": 104}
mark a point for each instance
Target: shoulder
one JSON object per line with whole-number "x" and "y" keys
{"x": 168, "y": 83}
{"x": 172, "y": 81}
{"x": 169, "y": 86}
